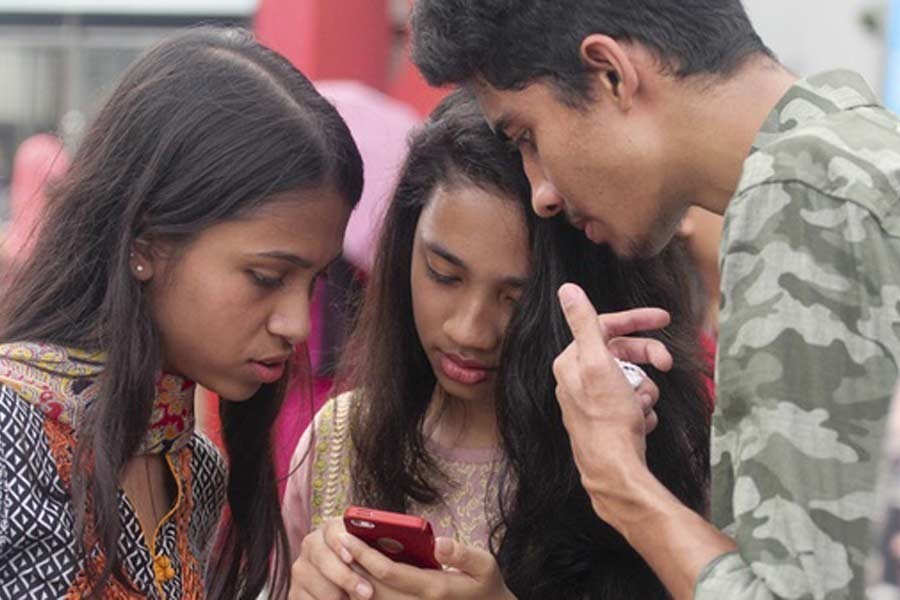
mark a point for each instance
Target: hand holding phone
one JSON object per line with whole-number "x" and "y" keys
{"x": 403, "y": 538}
{"x": 469, "y": 573}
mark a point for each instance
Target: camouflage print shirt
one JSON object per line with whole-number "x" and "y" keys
{"x": 809, "y": 345}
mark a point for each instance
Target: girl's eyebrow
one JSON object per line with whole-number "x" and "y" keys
{"x": 294, "y": 259}
{"x": 445, "y": 254}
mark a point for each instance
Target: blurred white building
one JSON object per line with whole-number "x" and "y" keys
{"x": 810, "y": 36}
{"x": 59, "y": 58}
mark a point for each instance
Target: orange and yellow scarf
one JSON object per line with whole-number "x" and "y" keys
{"x": 62, "y": 383}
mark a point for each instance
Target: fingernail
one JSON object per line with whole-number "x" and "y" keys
{"x": 364, "y": 590}
{"x": 443, "y": 545}
{"x": 346, "y": 556}
{"x": 646, "y": 401}
{"x": 568, "y": 294}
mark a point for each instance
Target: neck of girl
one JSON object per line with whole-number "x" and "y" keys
{"x": 454, "y": 422}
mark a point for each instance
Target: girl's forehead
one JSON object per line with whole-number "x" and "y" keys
{"x": 483, "y": 229}
{"x": 472, "y": 206}
{"x": 310, "y": 225}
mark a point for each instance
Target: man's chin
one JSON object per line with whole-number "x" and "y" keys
{"x": 649, "y": 246}
{"x": 649, "y": 249}
{"x": 630, "y": 248}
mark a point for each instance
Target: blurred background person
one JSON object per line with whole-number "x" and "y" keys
{"x": 701, "y": 232}
{"x": 884, "y": 560}
{"x": 39, "y": 161}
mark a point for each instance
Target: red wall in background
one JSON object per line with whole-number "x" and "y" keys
{"x": 410, "y": 87}
{"x": 343, "y": 39}
{"x": 329, "y": 39}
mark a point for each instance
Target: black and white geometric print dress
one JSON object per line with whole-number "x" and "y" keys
{"x": 37, "y": 544}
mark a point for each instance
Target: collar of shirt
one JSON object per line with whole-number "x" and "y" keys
{"x": 813, "y": 98}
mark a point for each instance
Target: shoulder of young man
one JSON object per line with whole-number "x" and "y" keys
{"x": 851, "y": 155}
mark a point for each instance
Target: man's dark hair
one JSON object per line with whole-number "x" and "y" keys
{"x": 511, "y": 43}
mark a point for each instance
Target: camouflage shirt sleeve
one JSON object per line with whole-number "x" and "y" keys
{"x": 807, "y": 359}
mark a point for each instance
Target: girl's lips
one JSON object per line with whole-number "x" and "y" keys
{"x": 465, "y": 372}
{"x": 268, "y": 372}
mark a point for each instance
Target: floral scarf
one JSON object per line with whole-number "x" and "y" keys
{"x": 62, "y": 383}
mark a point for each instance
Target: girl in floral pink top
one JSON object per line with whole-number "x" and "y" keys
{"x": 451, "y": 412}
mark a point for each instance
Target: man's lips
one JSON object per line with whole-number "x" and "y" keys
{"x": 590, "y": 228}
{"x": 578, "y": 223}
{"x": 592, "y": 232}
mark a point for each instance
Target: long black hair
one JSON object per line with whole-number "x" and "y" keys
{"x": 392, "y": 465}
{"x": 553, "y": 544}
{"x": 549, "y": 543}
{"x": 205, "y": 127}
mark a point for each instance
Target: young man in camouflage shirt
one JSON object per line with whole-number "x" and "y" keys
{"x": 627, "y": 113}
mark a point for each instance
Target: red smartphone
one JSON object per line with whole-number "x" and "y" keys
{"x": 402, "y": 538}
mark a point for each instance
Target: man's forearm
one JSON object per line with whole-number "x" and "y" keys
{"x": 675, "y": 541}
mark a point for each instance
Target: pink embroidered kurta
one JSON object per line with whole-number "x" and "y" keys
{"x": 319, "y": 487}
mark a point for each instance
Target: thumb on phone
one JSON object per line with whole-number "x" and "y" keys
{"x": 466, "y": 559}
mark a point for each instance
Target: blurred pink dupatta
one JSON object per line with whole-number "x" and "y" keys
{"x": 39, "y": 161}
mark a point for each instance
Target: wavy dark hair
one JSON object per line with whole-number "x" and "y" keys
{"x": 553, "y": 545}
{"x": 549, "y": 542}
{"x": 204, "y": 128}
{"x": 512, "y": 43}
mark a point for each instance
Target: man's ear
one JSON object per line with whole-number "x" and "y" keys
{"x": 614, "y": 73}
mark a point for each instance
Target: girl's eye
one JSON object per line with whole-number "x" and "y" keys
{"x": 265, "y": 281}
{"x": 440, "y": 277}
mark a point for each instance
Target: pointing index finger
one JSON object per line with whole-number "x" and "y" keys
{"x": 588, "y": 331}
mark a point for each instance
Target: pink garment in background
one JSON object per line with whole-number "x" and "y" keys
{"x": 40, "y": 160}
{"x": 380, "y": 126}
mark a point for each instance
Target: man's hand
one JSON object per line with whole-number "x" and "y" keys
{"x": 640, "y": 351}
{"x": 606, "y": 419}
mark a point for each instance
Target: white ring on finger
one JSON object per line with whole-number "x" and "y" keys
{"x": 633, "y": 373}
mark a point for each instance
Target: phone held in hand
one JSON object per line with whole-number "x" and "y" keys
{"x": 402, "y": 538}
